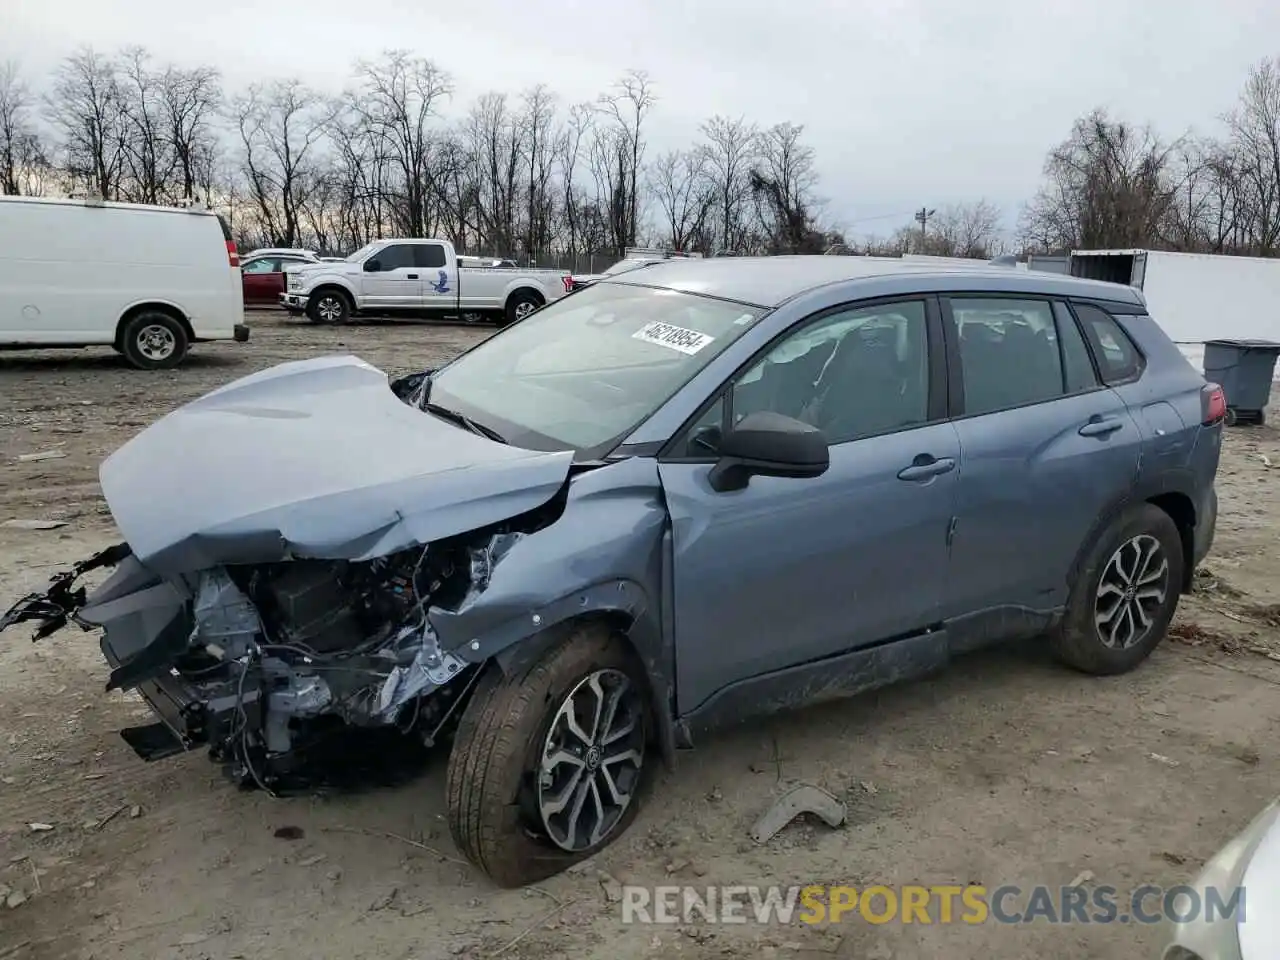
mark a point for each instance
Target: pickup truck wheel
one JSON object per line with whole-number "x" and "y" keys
{"x": 520, "y": 305}
{"x": 548, "y": 765}
{"x": 1125, "y": 595}
{"x": 329, "y": 306}
{"x": 154, "y": 341}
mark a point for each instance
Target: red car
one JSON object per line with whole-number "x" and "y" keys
{"x": 263, "y": 276}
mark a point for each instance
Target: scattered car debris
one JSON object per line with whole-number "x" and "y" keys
{"x": 611, "y": 887}
{"x": 42, "y": 455}
{"x": 39, "y": 827}
{"x": 135, "y": 812}
{"x": 34, "y": 524}
{"x": 111, "y": 816}
{"x": 15, "y": 899}
{"x": 1161, "y": 758}
{"x": 804, "y": 798}
{"x": 385, "y": 900}
{"x": 1081, "y": 878}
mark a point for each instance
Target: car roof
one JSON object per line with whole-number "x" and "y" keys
{"x": 771, "y": 281}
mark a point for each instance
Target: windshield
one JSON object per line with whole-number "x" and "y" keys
{"x": 362, "y": 252}
{"x": 584, "y": 371}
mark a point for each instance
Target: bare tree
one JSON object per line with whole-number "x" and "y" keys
{"x": 147, "y": 158}
{"x": 1255, "y": 138}
{"x": 85, "y": 106}
{"x": 678, "y": 182}
{"x": 730, "y": 149}
{"x": 280, "y": 125}
{"x": 1109, "y": 184}
{"x": 22, "y": 156}
{"x": 618, "y": 154}
{"x": 398, "y": 97}
{"x": 967, "y": 230}
{"x": 538, "y": 136}
{"x": 494, "y": 145}
{"x": 190, "y": 100}
{"x": 782, "y": 180}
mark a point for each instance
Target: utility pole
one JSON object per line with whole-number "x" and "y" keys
{"x": 922, "y": 218}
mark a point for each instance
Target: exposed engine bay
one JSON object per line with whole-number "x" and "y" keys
{"x": 272, "y": 656}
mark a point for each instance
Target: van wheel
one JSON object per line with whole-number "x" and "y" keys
{"x": 329, "y": 306}
{"x": 548, "y": 765}
{"x": 154, "y": 341}
{"x": 520, "y": 305}
{"x": 1125, "y": 595}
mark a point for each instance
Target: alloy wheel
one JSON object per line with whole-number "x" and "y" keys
{"x": 1131, "y": 592}
{"x": 591, "y": 760}
{"x": 524, "y": 308}
{"x": 329, "y": 309}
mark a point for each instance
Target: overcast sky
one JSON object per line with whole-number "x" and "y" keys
{"x": 907, "y": 102}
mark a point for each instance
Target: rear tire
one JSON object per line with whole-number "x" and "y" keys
{"x": 1125, "y": 596}
{"x": 329, "y": 306}
{"x": 520, "y": 305}
{"x": 154, "y": 341}
{"x": 509, "y": 796}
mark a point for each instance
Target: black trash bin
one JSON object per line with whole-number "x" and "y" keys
{"x": 1244, "y": 369}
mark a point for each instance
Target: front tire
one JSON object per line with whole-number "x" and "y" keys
{"x": 329, "y": 306}
{"x": 154, "y": 341}
{"x": 548, "y": 765}
{"x": 1125, "y": 595}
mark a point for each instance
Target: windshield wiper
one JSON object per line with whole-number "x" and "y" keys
{"x": 465, "y": 421}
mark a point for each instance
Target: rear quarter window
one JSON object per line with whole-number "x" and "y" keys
{"x": 1118, "y": 358}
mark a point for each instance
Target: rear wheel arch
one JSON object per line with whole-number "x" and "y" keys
{"x": 518, "y": 302}
{"x": 1169, "y": 493}
{"x": 159, "y": 306}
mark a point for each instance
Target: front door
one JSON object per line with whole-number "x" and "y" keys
{"x": 397, "y": 283}
{"x": 262, "y": 280}
{"x": 787, "y": 571}
{"x": 1045, "y": 449}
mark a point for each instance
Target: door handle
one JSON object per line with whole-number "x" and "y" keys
{"x": 1101, "y": 426}
{"x": 413, "y": 276}
{"x": 926, "y": 467}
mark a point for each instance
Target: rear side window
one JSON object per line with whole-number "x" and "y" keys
{"x": 1077, "y": 368}
{"x": 1009, "y": 354}
{"x": 1118, "y": 359}
{"x": 428, "y": 255}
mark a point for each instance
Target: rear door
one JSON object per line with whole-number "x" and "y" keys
{"x": 1045, "y": 449}
{"x": 397, "y": 281}
{"x": 439, "y": 276}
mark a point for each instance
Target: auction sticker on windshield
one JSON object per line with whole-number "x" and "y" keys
{"x": 675, "y": 338}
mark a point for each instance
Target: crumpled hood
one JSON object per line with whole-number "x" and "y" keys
{"x": 315, "y": 458}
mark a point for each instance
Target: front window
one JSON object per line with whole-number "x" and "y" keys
{"x": 363, "y": 252}
{"x": 584, "y": 371}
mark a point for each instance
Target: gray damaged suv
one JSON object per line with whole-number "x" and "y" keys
{"x": 690, "y": 494}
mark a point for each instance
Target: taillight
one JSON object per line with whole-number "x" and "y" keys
{"x": 568, "y": 284}
{"x": 233, "y": 257}
{"x": 1213, "y": 404}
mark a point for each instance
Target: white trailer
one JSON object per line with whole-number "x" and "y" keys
{"x": 1195, "y": 297}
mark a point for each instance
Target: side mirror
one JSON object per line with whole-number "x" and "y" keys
{"x": 372, "y": 266}
{"x": 769, "y": 445}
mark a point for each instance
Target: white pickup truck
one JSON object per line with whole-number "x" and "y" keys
{"x": 417, "y": 276}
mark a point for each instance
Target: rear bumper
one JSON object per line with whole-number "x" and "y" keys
{"x": 1206, "y": 526}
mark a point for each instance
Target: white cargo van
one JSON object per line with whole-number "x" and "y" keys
{"x": 147, "y": 281}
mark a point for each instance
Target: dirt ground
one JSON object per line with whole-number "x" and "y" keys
{"x": 1005, "y": 769}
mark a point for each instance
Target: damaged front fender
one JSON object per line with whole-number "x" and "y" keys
{"x": 606, "y": 555}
